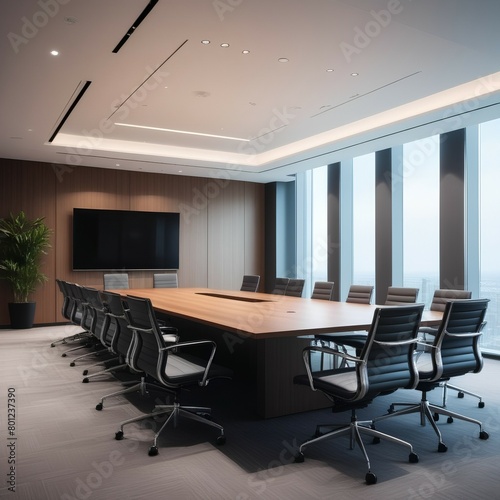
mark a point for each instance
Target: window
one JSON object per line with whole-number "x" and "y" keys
{"x": 489, "y": 154}
{"x": 421, "y": 216}
{"x": 363, "y": 210}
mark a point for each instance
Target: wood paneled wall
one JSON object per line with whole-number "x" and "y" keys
{"x": 221, "y": 233}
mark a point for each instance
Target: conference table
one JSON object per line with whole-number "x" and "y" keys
{"x": 261, "y": 336}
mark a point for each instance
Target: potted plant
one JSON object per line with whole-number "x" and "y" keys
{"x": 23, "y": 243}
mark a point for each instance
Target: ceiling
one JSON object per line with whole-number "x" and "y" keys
{"x": 360, "y": 75}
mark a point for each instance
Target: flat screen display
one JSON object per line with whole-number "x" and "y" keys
{"x": 105, "y": 240}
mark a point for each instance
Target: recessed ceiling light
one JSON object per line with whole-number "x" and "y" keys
{"x": 205, "y": 42}
{"x": 245, "y": 52}
{"x": 354, "y": 74}
{"x": 182, "y": 132}
{"x": 283, "y": 60}
{"x": 54, "y": 52}
{"x": 329, "y": 70}
{"x": 225, "y": 45}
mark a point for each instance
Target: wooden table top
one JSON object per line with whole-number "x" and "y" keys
{"x": 263, "y": 315}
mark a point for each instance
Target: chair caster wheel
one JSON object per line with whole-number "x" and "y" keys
{"x": 119, "y": 435}
{"x": 63, "y": 355}
{"x": 480, "y": 404}
{"x": 442, "y": 448}
{"x": 85, "y": 372}
{"x": 413, "y": 458}
{"x": 85, "y": 380}
{"x": 376, "y": 440}
{"x": 98, "y": 406}
{"x": 435, "y": 417}
{"x": 52, "y": 345}
{"x": 220, "y": 440}
{"x": 460, "y": 395}
{"x": 483, "y": 435}
{"x": 370, "y": 478}
{"x": 299, "y": 458}
{"x": 153, "y": 451}
{"x": 391, "y": 409}
{"x": 449, "y": 420}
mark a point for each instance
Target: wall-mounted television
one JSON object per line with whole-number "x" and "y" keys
{"x": 105, "y": 240}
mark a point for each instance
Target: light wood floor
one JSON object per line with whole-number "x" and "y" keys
{"x": 65, "y": 449}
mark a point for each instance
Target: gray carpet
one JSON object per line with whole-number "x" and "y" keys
{"x": 65, "y": 449}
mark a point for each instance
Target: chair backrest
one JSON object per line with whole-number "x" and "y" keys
{"x": 114, "y": 306}
{"x": 455, "y": 348}
{"x": 401, "y": 295}
{"x": 67, "y": 304}
{"x": 101, "y": 325}
{"x": 250, "y": 283}
{"x": 360, "y": 294}
{"x": 323, "y": 290}
{"x": 80, "y": 314}
{"x": 148, "y": 342}
{"x": 280, "y": 285}
{"x": 295, "y": 287}
{"x": 442, "y": 296}
{"x": 388, "y": 353}
{"x": 165, "y": 280}
{"x": 116, "y": 281}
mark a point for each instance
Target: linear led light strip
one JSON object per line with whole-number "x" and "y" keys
{"x": 182, "y": 132}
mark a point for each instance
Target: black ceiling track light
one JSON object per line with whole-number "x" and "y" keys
{"x": 77, "y": 95}
{"x": 149, "y": 7}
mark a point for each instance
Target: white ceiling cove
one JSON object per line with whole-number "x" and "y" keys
{"x": 254, "y": 90}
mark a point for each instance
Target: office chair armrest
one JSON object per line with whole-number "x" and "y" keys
{"x": 327, "y": 350}
{"x": 193, "y": 343}
{"x": 169, "y": 333}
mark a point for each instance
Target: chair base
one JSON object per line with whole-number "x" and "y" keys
{"x": 141, "y": 387}
{"x": 174, "y": 411}
{"x": 354, "y": 430}
{"x": 430, "y": 412}
{"x": 461, "y": 393}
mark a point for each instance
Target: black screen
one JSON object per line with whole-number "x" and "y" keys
{"x": 106, "y": 240}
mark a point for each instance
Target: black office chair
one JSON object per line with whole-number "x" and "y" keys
{"x": 172, "y": 366}
{"x": 116, "y": 281}
{"x": 81, "y": 316}
{"x": 250, "y": 283}
{"x": 165, "y": 280}
{"x": 295, "y": 287}
{"x": 99, "y": 328}
{"x": 439, "y": 300}
{"x": 401, "y": 295}
{"x": 68, "y": 311}
{"x": 360, "y": 294}
{"x": 385, "y": 364}
{"x": 124, "y": 343}
{"x": 280, "y": 285}
{"x": 323, "y": 290}
{"x": 453, "y": 352}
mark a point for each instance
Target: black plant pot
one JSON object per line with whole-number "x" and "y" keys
{"x": 22, "y": 314}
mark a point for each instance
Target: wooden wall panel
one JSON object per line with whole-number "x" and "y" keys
{"x": 221, "y": 233}
{"x": 254, "y": 231}
{"x": 30, "y": 186}
{"x": 226, "y": 235}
